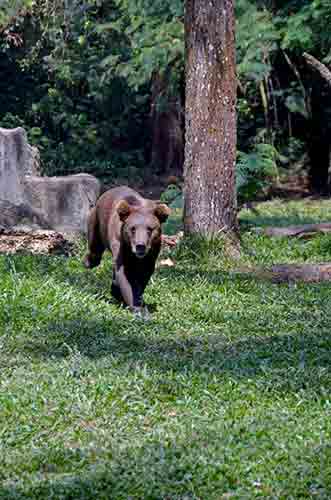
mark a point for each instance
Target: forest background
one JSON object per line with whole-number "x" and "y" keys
{"x": 99, "y": 87}
{"x": 225, "y": 391}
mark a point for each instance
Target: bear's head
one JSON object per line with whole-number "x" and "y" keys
{"x": 142, "y": 226}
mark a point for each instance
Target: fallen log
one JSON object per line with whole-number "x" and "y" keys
{"x": 304, "y": 231}
{"x": 290, "y": 273}
{"x": 308, "y": 273}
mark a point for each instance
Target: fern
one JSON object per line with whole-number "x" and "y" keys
{"x": 257, "y": 39}
{"x": 256, "y": 170}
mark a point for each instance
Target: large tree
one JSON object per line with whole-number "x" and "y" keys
{"x": 210, "y": 150}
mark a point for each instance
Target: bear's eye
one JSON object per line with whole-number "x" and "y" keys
{"x": 150, "y": 230}
{"x": 133, "y": 230}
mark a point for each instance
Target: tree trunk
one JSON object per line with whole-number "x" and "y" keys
{"x": 319, "y": 134}
{"x": 210, "y": 149}
{"x": 167, "y": 150}
{"x": 319, "y": 156}
{"x": 319, "y": 141}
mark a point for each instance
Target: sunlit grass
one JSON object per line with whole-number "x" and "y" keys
{"x": 224, "y": 393}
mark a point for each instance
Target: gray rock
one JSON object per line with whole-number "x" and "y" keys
{"x": 63, "y": 201}
{"x": 29, "y": 200}
{"x": 13, "y": 157}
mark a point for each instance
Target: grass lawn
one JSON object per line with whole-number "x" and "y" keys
{"x": 224, "y": 393}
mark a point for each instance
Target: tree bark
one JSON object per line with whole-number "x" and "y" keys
{"x": 210, "y": 148}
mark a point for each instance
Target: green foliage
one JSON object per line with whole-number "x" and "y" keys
{"x": 299, "y": 31}
{"x": 295, "y": 149}
{"x": 275, "y": 82}
{"x": 155, "y": 33}
{"x": 295, "y": 101}
{"x": 308, "y": 28}
{"x": 90, "y": 66}
{"x": 10, "y": 8}
{"x": 257, "y": 40}
{"x": 170, "y": 194}
{"x": 79, "y": 77}
{"x": 256, "y": 170}
{"x": 223, "y": 393}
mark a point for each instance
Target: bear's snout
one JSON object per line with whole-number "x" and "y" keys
{"x": 140, "y": 250}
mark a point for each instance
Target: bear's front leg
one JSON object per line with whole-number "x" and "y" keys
{"x": 115, "y": 289}
{"x": 91, "y": 260}
{"x": 138, "y": 291}
{"x": 126, "y": 290}
{"x": 130, "y": 294}
{"x": 116, "y": 292}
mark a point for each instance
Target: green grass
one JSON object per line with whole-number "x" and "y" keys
{"x": 224, "y": 393}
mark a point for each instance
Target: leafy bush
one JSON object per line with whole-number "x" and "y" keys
{"x": 256, "y": 170}
{"x": 82, "y": 80}
{"x": 257, "y": 40}
{"x": 171, "y": 194}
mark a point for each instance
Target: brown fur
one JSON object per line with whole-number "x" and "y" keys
{"x": 130, "y": 227}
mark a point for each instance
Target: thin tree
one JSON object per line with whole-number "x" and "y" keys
{"x": 210, "y": 149}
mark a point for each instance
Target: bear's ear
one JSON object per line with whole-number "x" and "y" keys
{"x": 123, "y": 210}
{"x": 162, "y": 212}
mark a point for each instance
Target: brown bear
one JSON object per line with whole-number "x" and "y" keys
{"x": 130, "y": 227}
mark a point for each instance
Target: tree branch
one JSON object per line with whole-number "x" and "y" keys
{"x": 324, "y": 72}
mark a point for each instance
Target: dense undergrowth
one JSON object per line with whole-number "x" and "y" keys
{"x": 224, "y": 393}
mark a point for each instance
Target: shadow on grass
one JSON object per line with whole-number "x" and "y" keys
{"x": 282, "y": 363}
{"x": 179, "y": 469}
{"x": 167, "y": 344}
{"x": 151, "y": 470}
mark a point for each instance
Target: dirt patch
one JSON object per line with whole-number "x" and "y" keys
{"x": 37, "y": 242}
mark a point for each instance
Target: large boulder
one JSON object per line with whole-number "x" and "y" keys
{"x": 21, "y": 215}
{"x": 63, "y": 201}
{"x": 13, "y": 157}
{"x": 31, "y": 201}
